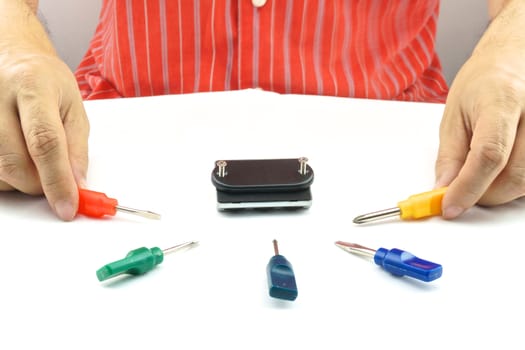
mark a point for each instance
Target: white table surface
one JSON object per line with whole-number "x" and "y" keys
{"x": 158, "y": 153}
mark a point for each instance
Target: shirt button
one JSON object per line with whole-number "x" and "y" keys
{"x": 258, "y": 3}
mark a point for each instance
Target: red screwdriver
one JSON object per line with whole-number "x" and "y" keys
{"x": 97, "y": 205}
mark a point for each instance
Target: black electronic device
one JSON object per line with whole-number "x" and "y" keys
{"x": 263, "y": 183}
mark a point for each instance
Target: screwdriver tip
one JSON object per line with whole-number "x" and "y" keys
{"x": 355, "y": 248}
{"x": 359, "y": 219}
{"x": 180, "y": 246}
{"x": 151, "y": 215}
{"x": 377, "y": 215}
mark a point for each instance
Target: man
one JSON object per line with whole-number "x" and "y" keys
{"x": 44, "y": 129}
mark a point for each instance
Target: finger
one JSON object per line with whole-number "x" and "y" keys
{"x": 492, "y": 141}
{"x": 453, "y": 146}
{"x": 47, "y": 146}
{"x": 510, "y": 183}
{"x": 5, "y": 187}
{"x": 17, "y": 170}
{"x": 76, "y": 126}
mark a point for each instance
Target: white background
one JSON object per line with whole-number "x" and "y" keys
{"x": 462, "y": 22}
{"x": 366, "y": 155}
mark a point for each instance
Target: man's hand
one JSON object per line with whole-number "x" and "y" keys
{"x": 482, "y": 137}
{"x": 43, "y": 125}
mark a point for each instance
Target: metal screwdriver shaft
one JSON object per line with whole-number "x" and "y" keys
{"x": 275, "y": 247}
{"x": 178, "y": 247}
{"x": 414, "y": 207}
{"x": 377, "y": 215}
{"x": 144, "y": 213}
{"x": 356, "y": 249}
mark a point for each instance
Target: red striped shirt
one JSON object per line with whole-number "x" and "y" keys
{"x": 366, "y": 49}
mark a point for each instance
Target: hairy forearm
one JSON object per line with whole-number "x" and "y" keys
{"x": 505, "y": 31}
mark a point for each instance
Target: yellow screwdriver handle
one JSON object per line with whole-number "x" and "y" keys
{"x": 422, "y": 205}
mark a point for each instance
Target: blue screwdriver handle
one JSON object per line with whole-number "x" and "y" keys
{"x": 401, "y": 263}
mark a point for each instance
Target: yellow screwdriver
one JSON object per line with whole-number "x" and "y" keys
{"x": 417, "y": 206}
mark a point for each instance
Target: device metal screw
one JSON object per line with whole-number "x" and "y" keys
{"x": 302, "y": 165}
{"x": 221, "y": 165}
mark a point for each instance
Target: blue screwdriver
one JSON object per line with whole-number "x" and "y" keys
{"x": 396, "y": 261}
{"x": 281, "y": 278}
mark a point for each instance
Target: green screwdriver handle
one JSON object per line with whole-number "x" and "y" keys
{"x": 137, "y": 262}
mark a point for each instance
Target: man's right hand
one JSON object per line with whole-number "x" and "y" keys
{"x": 43, "y": 125}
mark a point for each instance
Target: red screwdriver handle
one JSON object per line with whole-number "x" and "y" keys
{"x": 95, "y": 204}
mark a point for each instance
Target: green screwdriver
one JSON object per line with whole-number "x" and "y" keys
{"x": 138, "y": 261}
